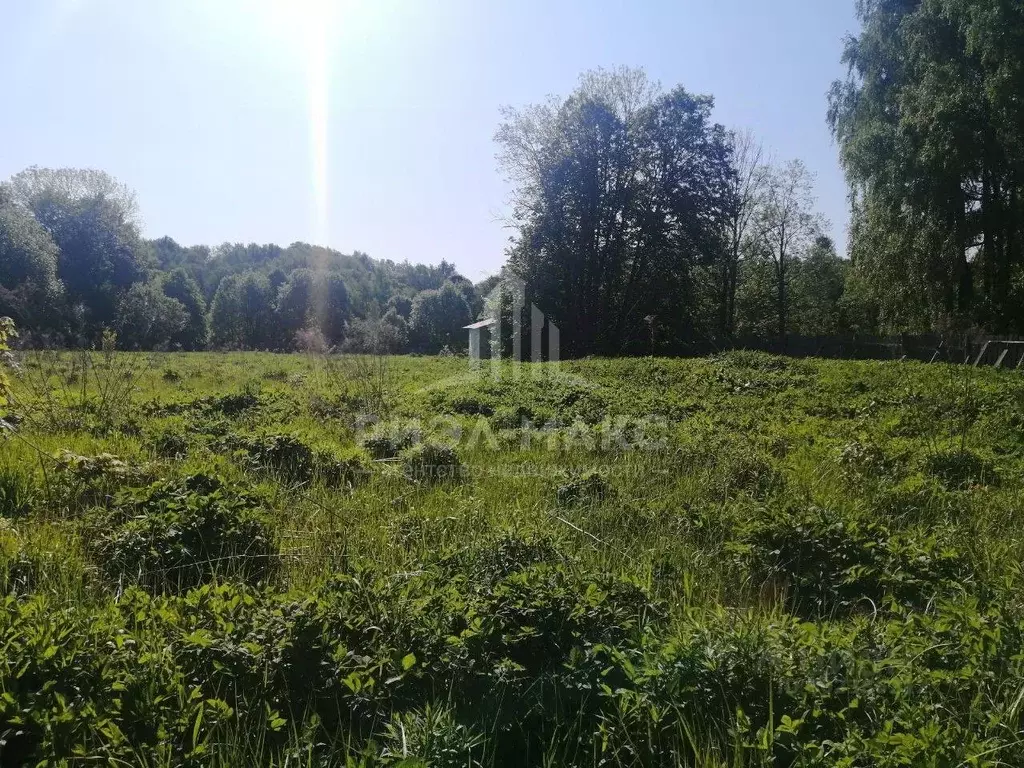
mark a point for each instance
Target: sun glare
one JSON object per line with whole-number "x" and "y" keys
{"x": 311, "y": 24}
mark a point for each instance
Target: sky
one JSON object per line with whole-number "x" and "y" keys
{"x": 369, "y": 124}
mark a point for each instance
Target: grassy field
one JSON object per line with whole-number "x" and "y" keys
{"x": 242, "y": 559}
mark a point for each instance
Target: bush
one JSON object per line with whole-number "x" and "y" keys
{"x": 292, "y": 459}
{"x": 387, "y": 442}
{"x": 84, "y": 481}
{"x": 830, "y": 564}
{"x": 170, "y": 440}
{"x": 432, "y": 463}
{"x": 174, "y": 535}
{"x": 959, "y": 469}
{"x": 589, "y": 488}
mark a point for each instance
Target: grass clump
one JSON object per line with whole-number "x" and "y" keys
{"x": 432, "y": 462}
{"x": 294, "y": 460}
{"x": 960, "y": 468}
{"x": 587, "y": 488}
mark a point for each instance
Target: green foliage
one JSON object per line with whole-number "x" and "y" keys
{"x": 149, "y": 319}
{"x": 387, "y": 441}
{"x": 174, "y": 535}
{"x": 616, "y": 189}
{"x": 85, "y": 481}
{"x": 29, "y": 287}
{"x": 824, "y": 563}
{"x": 960, "y": 468}
{"x": 588, "y": 488}
{"x": 798, "y": 571}
{"x": 7, "y": 332}
{"x": 930, "y": 132}
{"x": 181, "y": 287}
{"x": 93, "y": 221}
{"x": 431, "y": 462}
{"x": 295, "y": 461}
{"x": 242, "y": 311}
{"x": 17, "y": 491}
{"x": 437, "y": 319}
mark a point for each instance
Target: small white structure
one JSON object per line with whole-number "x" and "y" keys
{"x": 474, "y": 337}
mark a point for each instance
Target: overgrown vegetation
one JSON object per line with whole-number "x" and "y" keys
{"x": 744, "y": 560}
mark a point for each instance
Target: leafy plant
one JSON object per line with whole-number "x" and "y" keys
{"x": 177, "y": 534}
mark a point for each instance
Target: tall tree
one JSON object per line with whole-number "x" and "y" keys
{"x": 619, "y": 191}
{"x": 30, "y": 290}
{"x": 147, "y": 318}
{"x": 817, "y": 288}
{"x": 180, "y": 286}
{"x": 438, "y": 317}
{"x": 746, "y": 193}
{"x": 93, "y": 219}
{"x": 930, "y": 125}
{"x": 242, "y": 312}
{"x": 786, "y": 227}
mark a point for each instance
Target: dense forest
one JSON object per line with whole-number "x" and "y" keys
{"x": 640, "y": 225}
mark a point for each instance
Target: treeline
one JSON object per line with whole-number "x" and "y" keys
{"x": 642, "y": 225}
{"x": 73, "y": 263}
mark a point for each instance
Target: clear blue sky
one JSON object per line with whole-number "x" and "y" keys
{"x": 368, "y": 124}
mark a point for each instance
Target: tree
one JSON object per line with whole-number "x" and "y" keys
{"x": 746, "y": 193}
{"x": 817, "y": 288}
{"x": 180, "y": 286}
{"x": 242, "y": 312}
{"x": 930, "y": 125}
{"x": 331, "y": 309}
{"x": 401, "y": 304}
{"x": 149, "y": 319}
{"x": 438, "y": 318}
{"x": 294, "y": 302}
{"x": 388, "y": 335}
{"x": 620, "y": 191}
{"x": 320, "y": 299}
{"x": 93, "y": 219}
{"x": 30, "y": 290}
{"x": 786, "y": 227}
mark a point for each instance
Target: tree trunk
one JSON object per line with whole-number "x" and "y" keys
{"x": 782, "y": 288}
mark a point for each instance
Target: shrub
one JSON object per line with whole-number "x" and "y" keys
{"x": 864, "y": 461}
{"x": 388, "y": 441}
{"x": 589, "y": 488}
{"x": 170, "y": 440}
{"x": 82, "y": 481}
{"x": 177, "y": 534}
{"x": 432, "y": 463}
{"x": 959, "y": 469}
{"x": 832, "y": 564}
{"x": 507, "y": 417}
{"x": 296, "y": 461}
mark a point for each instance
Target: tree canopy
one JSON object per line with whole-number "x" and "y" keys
{"x": 930, "y": 124}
